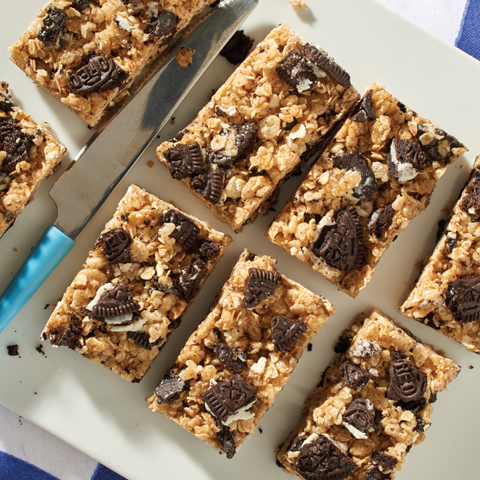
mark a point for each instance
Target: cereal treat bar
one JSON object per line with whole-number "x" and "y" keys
{"x": 275, "y": 108}
{"x": 372, "y": 405}
{"x": 143, "y": 272}
{"x": 240, "y": 357}
{"x": 375, "y": 176}
{"x": 88, "y": 52}
{"x": 447, "y": 294}
{"x": 29, "y": 153}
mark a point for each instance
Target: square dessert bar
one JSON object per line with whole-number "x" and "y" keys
{"x": 375, "y": 176}
{"x": 145, "y": 269}
{"x": 242, "y": 354}
{"x": 29, "y": 153}
{"x": 372, "y": 405}
{"x": 87, "y": 53}
{"x": 447, "y": 293}
{"x": 275, "y": 108}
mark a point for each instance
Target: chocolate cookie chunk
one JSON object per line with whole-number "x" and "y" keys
{"x": 116, "y": 246}
{"x": 65, "y": 338}
{"x": 6, "y": 105}
{"x": 286, "y": 331}
{"x": 231, "y": 358}
{"x": 98, "y": 75}
{"x": 52, "y": 26}
{"x": 237, "y": 48}
{"x": 462, "y": 298}
{"x": 14, "y": 143}
{"x": 342, "y": 245}
{"x": 164, "y": 24}
{"x": 360, "y": 414}
{"x": 320, "y": 459}
{"x": 189, "y": 278}
{"x": 356, "y": 161}
{"x": 374, "y": 473}
{"x": 407, "y": 382}
{"x": 471, "y": 198}
{"x": 405, "y": 160}
{"x": 352, "y": 375}
{"x": 12, "y": 350}
{"x": 169, "y": 389}
{"x": 227, "y": 441}
{"x": 386, "y": 462}
{"x": 184, "y": 160}
{"x": 226, "y": 398}
{"x": 380, "y": 220}
{"x": 366, "y": 110}
{"x": 209, "y": 250}
{"x": 114, "y": 303}
{"x": 439, "y": 146}
{"x": 259, "y": 285}
{"x": 80, "y": 4}
{"x": 297, "y": 72}
{"x": 185, "y": 232}
{"x": 326, "y": 64}
{"x": 143, "y": 339}
{"x": 209, "y": 185}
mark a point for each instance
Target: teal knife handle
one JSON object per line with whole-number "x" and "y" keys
{"x": 50, "y": 250}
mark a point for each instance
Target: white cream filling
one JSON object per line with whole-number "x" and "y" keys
{"x": 132, "y": 327}
{"x": 231, "y": 110}
{"x": 241, "y": 414}
{"x": 354, "y": 431}
{"x": 101, "y": 291}
{"x": 406, "y": 171}
{"x": 123, "y": 23}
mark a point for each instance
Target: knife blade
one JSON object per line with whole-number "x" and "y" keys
{"x": 94, "y": 173}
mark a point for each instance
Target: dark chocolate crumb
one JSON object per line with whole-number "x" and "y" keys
{"x": 12, "y": 350}
{"x": 39, "y": 349}
{"x": 309, "y": 347}
{"x": 237, "y": 48}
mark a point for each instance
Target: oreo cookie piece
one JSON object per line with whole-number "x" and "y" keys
{"x": 431, "y": 148}
{"x": 360, "y": 414}
{"x": 296, "y": 71}
{"x": 356, "y": 161}
{"x": 462, "y": 298}
{"x": 15, "y": 143}
{"x": 13, "y": 350}
{"x": 320, "y": 459}
{"x": 405, "y": 160}
{"x": 98, "y": 75}
{"x": 407, "y": 382}
{"x": 80, "y": 4}
{"x": 189, "y": 278}
{"x": 227, "y": 442}
{"x": 259, "y": 285}
{"x": 65, "y": 338}
{"x": 114, "y": 303}
{"x": 342, "y": 245}
{"x": 366, "y": 110}
{"x": 226, "y": 398}
{"x": 286, "y": 331}
{"x": 6, "y": 105}
{"x": 143, "y": 339}
{"x": 237, "y": 48}
{"x": 326, "y": 64}
{"x": 52, "y": 26}
{"x": 184, "y": 160}
{"x": 209, "y": 185}
{"x": 381, "y": 220}
{"x": 374, "y": 473}
{"x": 209, "y": 250}
{"x": 232, "y": 359}
{"x": 471, "y": 198}
{"x": 352, "y": 375}
{"x": 116, "y": 246}
{"x": 162, "y": 25}
{"x": 169, "y": 389}
{"x": 186, "y": 231}
{"x": 384, "y": 461}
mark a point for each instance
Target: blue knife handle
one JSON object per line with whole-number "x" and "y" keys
{"x": 50, "y": 250}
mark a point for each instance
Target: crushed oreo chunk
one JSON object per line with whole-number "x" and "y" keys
{"x": 440, "y": 144}
{"x": 237, "y": 48}
{"x": 342, "y": 245}
{"x": 286, "y": 331}
{"x": 366, "y": 110}
{"x": 407, "y": 382}
{"x": 98, "y": 75}
{"x": 12, "y": 350}
{"x": 381, "y": 220}
{"x": 259, "y": 285}
{"x": 116, "y": 302}
{"x": 452, "y": 240}
{"x": 189, "y": 278}
{"x": 356, "y": 161}
{"x": 162, "y": 25}
{"x": 231, "y": 358}
{"x": 169, "y": 389}
{"x": 352, "y": 375}
{"x": 143, "y": 339}
{"x": 405, "y": 160}
{"x": 52, "y": 26}
{"x": 6, "y": 105}
{"x": 15, "y": 144}
{"x": 184, "y": 160}
{"x": 209, "y": 185}
{"x": 227, "y": 397}
{"x": 65, "y": 338}
{"x": 384, "y": 461}
{"x": 471, "y": 198}
{"x": 116, "y": 246}
{"x": 186, "y": 231}
{"x": 166, "y": 288}
{"x": 209, "y": 250}
{"x": 374, "y": 473}
{"x": 320, "y": 459}
{"x": 76, "y": 324}
{"x": 296, "y": 71}
{"x": 462, "y": 298}
{"x": 227, "y": 442}
{"x": 326, "y": 64}
{"x": 80, "y": 4}
{"x": 360, "y": 415}
{"x": 343, "y": 342}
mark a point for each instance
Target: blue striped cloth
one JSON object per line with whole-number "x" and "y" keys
{"x": 25, "y": 449}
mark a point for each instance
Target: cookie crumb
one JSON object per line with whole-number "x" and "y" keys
{"x": 150, "y": 164}
{"x": 12, "y": 350}
{"x": 172, "y": 121}
{"x": 237, "y": 48}
{"x": 299, "y": 4}
{"x": 39, "y": 349}
{"x": 184, "y": 56}
{"x": 471, "y": 367}
{"x": 309, "y": 347}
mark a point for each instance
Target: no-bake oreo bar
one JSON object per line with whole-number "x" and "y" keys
{"x": 242, "y": 354}
{"x": 446, "y": 296}
{"x": 87, "y": 53}
{"x": 375, "y": 176}
{"x": 29, "y": 153}
{"x": 145, "y": 269}
{"x": 372, "y": 405}
{"x": 278, "y": 105}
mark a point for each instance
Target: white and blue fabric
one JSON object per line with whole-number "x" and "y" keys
{"x": 25, "y": 449}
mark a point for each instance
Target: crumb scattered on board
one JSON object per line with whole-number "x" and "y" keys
{"x": 150, "y": 164}
{"x": 184, "y": 56}
{"x": 12, "y": 350}
{"x": 299, "y": 4}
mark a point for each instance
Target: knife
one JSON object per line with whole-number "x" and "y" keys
{"x": 106, "y": 158}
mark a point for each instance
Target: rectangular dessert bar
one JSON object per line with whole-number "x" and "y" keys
{"x": 275, "y": 108}
{"x": 145, "y": 269}
{"x": 375, "y": 176}
{"x": 447, "y": 293}
{"x": 29, "y": 153}
{"x": 372, "y": 405}
{"x": 87, "y": 53}
{"x": 242, "y": 354}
